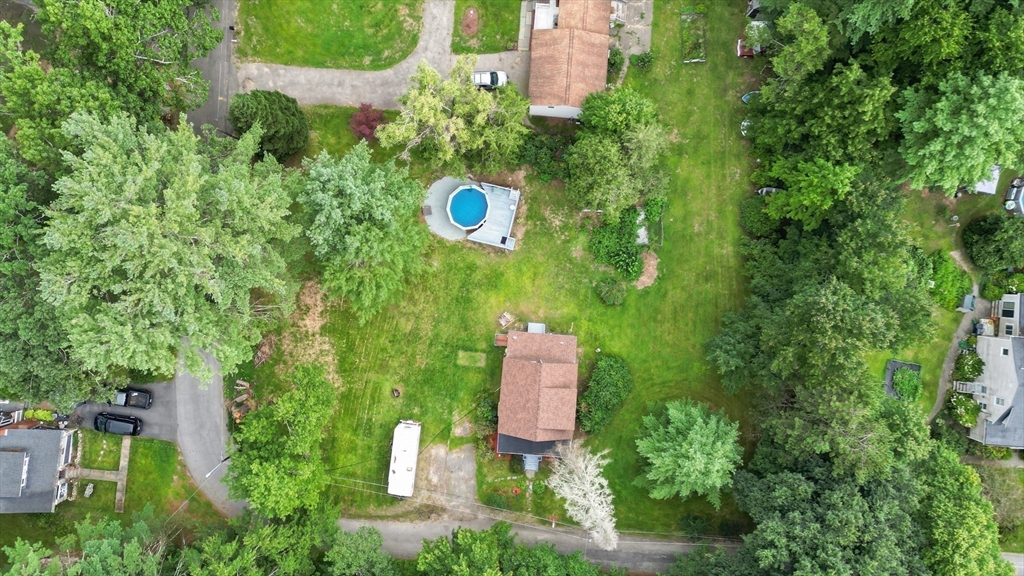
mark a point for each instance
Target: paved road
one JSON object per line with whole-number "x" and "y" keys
{"x": 404, "y": 540}
{"x": 380, "y": 88}
{"x": 1017, "y": 560}
{"x": 203, "y": 434}
{"x": 160, "y": 421}
{"x": 218, "y": 69}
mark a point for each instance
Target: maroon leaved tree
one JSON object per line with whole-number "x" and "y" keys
{"x": 364, "y": 122}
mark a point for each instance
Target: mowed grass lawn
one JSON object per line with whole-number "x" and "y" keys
{"x": 497, "y": 26}
{"x": 156, "y": 476}
{"x": 454, "y": 304}
{"x": 349, "y": 34}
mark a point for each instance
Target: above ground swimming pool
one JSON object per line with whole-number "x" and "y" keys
{"x": 467, "y": 207}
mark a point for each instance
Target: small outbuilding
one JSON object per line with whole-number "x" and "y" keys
{"x": 989, "y": 186}
{"x": 405, "y": 448}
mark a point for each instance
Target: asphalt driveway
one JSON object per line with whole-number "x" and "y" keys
{"x": 160, "y": 421}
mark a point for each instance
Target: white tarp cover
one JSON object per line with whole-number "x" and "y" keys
{"x": 404, "y": 451}
{"x": 989, "y": 186}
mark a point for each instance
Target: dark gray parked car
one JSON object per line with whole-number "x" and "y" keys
{"x": 134, "y": 398}
{"x": 118, "y": 424}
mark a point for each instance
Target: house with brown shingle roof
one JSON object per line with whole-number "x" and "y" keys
{"x": 537, "y": 406}
{"x": 568, "y": 55}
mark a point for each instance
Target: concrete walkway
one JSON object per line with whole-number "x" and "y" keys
{"x": 120, "y": 475}
{"x": 981, "y": 307}
{"x": 404, "y": 540}
{"x": 380, "y": 88}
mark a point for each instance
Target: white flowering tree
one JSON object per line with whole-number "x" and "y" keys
{"x": 577, "y": 479}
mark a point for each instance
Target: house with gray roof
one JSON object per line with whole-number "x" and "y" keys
{"x": 1000, "y": 388}
{"x": 33, "y": 469}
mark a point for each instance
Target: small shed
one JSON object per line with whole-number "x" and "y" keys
{"x": 968, "y": 304}
{"x": 405, "y": 449}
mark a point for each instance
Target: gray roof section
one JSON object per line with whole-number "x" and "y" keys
{"x": 43, "y": 449}
{"x": 1008, "y": 429}
{"x": 12, "y": 463}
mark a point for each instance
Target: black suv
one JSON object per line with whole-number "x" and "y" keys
{"x": 133, "y": 398}
{"x": 118, "y": 424}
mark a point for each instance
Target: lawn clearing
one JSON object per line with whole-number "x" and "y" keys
{"x": 330, "y": 130}
{"x": 349, "y": 34}
{"x": 99, "y": 451}
{"x": 1013, "y": 540}
{"x": 485, "y": 26}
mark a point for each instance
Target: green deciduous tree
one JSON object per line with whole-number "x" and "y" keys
{"x": 688, "y": 449}
{"x": 362, "y": 226}
{"x": 278, "y": 464}
{"x": 954, "y": 135}
{"x": 1003, "y": 487}
{"x": 617, "y": 111}
{"x": 285, "y": 127}
{"x": 456, "y": 125}
{"x": 810, "y": 189}
{"x": 806, "y": 43}
{"x": 961, "y": 536}
{"x": 613, "y": 162}
{"x": 151, "y": 241}
{"x": 143, "y": 50}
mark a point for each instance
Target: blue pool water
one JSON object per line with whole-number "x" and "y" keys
{"x": 468, "y": 207}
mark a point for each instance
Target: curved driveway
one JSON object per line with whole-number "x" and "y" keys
{"x": 380, "y": 88}
{"x": 203, "y": 434}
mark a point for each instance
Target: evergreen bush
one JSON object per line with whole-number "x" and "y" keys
{"x": 611, "y": 291}
{"x": 285, "y": 127}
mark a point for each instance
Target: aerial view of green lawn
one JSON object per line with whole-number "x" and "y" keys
{"x": 454, "y": 305}
{"x": 485, "y": 26}
{"x": 351, "y": 34}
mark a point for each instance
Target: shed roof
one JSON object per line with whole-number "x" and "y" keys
{"x": 567, "y": 64}
{"x": 538, "y": 387}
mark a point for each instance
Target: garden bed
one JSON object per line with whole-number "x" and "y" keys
{"x": 890, "y": 370}
{"x": 693, "y": 35}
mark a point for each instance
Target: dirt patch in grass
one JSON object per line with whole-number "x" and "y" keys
{"x": 650, "y": 273}
{"x": 472, "y": 359}
{"x": 470, "y": 22}
{"x": 303, "y": 341}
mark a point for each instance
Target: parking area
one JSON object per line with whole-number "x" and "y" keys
{"x": 160, "y": 421}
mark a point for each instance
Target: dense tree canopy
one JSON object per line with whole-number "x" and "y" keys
{"x": 143, "y": 50}
{"x": 156, "y": 246}
{"x": 361, "y": 226}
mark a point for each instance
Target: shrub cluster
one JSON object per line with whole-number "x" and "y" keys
{"x": 608, "y": 387}
{"x": 611, "y": 291}
{"x": 964, "y": 409}
{"x": 907, "y": 383}
{"x": 654, "y": 208}
{"x": 642, "y": 61}
{"x": 754, "y": 217}
{"x": 616, "y": 60}
{"x": 968, "y": 367}
{"x": 545, "y": 154}
{"x": 1000, "y": 282}
{"x": 364, "y": 123}
{"x": 951, "y": 282}
{"x": 41, "y": 415}
{"x": 995, "y": 242}
{"x": 495, "y": 500}
{"x": 615, "y": 245}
